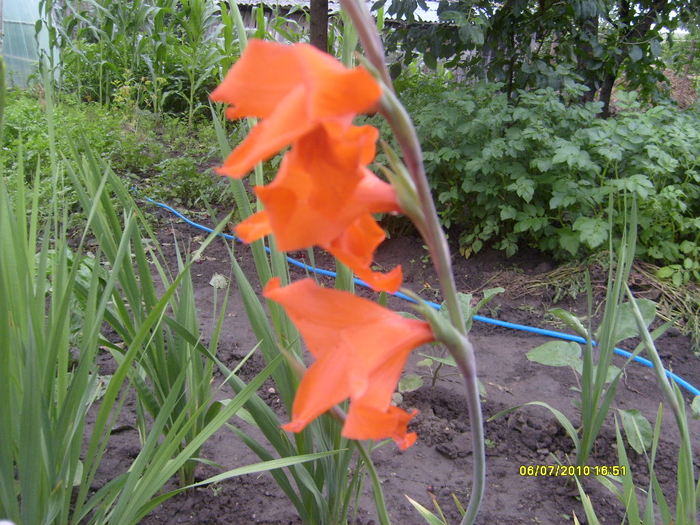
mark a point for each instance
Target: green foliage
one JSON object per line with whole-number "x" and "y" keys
{"x": 645, "y": 441}
{"x": 163, "y": 158}
{"x": 637, "y": 428}
{"x": 181, "y": 179}
{"x": 164, "y": 55}
{"x": 432, "y": 518}
{"x": 680, "y": 51}
{"x": 159, "y": 55}
{"x": 695, "y": 407}
{"x": 568, "y": 353}
{"x": 106, "y": 131}
{"x": 433, "y": 364}
{"x": 536, "y": 44}
{"x": 557, "y": 353}
{"x": 540, "y": 172}
{"x": 598, "y": 377}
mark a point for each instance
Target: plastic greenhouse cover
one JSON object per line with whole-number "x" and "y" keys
{"x": 19, "y": 47}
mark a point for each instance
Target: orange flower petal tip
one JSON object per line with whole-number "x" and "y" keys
{"x": 254, "y": 227}
{"x": 272, "y": 285}
{"x": 295, "y": 426}
{"x": 405, "y": 441}
{"x": 382, "y": 282}
{"x": 366, "y": 422}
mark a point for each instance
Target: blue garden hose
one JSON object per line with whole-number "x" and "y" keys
{"x": 521, "y": 327}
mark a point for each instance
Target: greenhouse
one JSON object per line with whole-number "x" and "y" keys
{"x": 21, "y": 47}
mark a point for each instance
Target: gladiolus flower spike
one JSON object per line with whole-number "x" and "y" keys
{"x": 360, "y": 349}
{"x": 323, "y": 195}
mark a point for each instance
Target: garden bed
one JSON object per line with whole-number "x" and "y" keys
{"x": 440, "y": 463}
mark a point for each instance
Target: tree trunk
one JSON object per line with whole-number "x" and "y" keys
{"x": 606, "y": 93}
{"x": 319, "y": 24}
{"x": 637, "y": 30}
{"x": 589, "y": 28}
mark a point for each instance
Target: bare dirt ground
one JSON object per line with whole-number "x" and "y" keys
{"x": 440, "y": 463}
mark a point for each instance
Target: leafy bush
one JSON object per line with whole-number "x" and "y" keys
{"x": 540, "y": 172}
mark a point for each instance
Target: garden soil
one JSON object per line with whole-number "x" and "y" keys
{"x": 438, "y": 467}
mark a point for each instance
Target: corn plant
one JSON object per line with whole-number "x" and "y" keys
{"x": 100, "y": 37}
{"x": 278, "y": 27}
{"x": 197, "y": 55}
{"x": 159, "y": 54}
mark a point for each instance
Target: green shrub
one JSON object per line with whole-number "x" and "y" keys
{"x": 539, "y": 172}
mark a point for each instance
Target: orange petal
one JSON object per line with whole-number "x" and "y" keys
{"x": 361, "y": 346}
{"x": 295, "y": 223}
{"x": 272, "y": 285}
{"x": 287, "y": 124}
{"x": 267, "y": 72}
{"x": 334, "y": 89}
{"x": 254, "y": 227}
{"x": 366, "y": 422}
{"x": 294, "y": 89}
{"x": 377, "y": 195}
{"x": 383, "y": 380}
{"x": 333, "y": 156}
{"x": 324, "y": 386}
{"x": 356, "y": 247}
{"x": 319, "y": 192}
{"x": 358, "y": 325}
{"x": 260, "y": 80}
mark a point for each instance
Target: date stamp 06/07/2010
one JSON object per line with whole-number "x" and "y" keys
{"x": 571, "y": 470}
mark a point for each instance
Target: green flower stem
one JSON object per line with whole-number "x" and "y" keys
{"x": 463, "y": 355}
{"x": 462, "y": 351}
{"x": 400, "y": 122}
{"x": 458, "y": 345}
{"x": 454, "y": 337}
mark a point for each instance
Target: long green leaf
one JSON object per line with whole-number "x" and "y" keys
{"x": 428, "y": 516}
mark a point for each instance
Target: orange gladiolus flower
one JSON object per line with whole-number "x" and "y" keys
{"x": 293, "y": 89}
{"x": 323, "y": 195}
{"x": 360, "y": 350}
